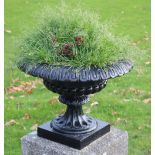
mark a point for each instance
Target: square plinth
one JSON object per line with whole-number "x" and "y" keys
{"x": 77, "y": 141}
{"x": 114, "y": 142}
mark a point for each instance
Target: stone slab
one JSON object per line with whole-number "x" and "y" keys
{"x": 113, "y": 143}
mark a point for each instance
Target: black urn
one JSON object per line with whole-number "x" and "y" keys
{"x": 74, "y": 85}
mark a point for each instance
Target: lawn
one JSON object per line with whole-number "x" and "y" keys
{"x": 125, "y": 102}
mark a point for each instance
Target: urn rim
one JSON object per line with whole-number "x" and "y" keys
{"x": 77, "y": 74}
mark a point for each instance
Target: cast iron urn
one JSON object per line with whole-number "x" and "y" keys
{"x": 74, "y": 128}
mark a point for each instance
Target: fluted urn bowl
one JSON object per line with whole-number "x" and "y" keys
{"x": 74, "y": 85}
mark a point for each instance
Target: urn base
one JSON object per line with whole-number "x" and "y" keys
{"x": 77, "y": 141}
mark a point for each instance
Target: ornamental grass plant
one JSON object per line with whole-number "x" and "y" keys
{"x": 72, "y": 38}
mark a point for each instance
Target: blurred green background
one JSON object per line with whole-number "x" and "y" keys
{"x": 125, "y": 102}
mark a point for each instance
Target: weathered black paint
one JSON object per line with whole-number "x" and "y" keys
{"x": 74, "y": 128}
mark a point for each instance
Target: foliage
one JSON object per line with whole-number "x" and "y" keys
{"x": 72, "y": 37}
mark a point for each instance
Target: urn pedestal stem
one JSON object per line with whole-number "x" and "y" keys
{"x": 74, "y": 121}
{"x": 74, "y": 128}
